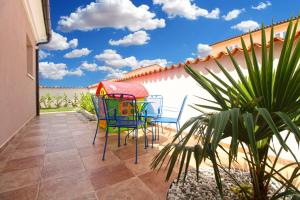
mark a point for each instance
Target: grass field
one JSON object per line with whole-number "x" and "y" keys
{"x": 62, "y": 109}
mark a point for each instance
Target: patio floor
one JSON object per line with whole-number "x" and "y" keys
{"x": 53, "y": 158}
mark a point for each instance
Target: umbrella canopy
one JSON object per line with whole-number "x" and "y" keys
{"x": 136, "y": 89}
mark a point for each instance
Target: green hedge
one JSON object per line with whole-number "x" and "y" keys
{"x": 87, "y": 103}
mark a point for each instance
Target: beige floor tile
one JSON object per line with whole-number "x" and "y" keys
{"x": 131, "y": 189}
{"x": 109, "y": 175}
{"x": 25, "y": 193}
{"x": 20, "y": 178}
{"x": 24, "y": 163}
{"x": 69, "y": 187}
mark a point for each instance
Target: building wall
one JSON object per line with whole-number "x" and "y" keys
{"x": 70, "y": 92}
{"x": 221, "y": 46}
{"x": 17, "y": 89}
{"x": 175, "y": 84}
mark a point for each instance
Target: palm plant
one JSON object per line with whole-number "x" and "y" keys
{"x": 253, "y": 111}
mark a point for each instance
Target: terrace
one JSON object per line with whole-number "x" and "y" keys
{"x": 53, "y": 158}
{"x": 239, "y": 140}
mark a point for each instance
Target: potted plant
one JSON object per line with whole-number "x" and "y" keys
{"x": 252, "y": 111}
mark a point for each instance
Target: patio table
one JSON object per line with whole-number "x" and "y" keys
{"x": 143, "y": 114}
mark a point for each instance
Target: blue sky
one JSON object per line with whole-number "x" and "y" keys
{"x": 102, "y": 39}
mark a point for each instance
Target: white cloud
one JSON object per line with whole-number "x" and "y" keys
{"x": 136, "y": 38}
{"x": 43, "y": 54}
{"x": 89, "y": 66}
{"x": 246, "y": 26}
{"x": 108, "y": 55}
{"x": 161, "y": 62}
{"x": 76, "y": 72}
{"x": 76, "y": 53}
{"x": 112, "y": 58}
{"x": 111, "y": 72}
{"x": 233, "y": 14}
{"x": 262, "y": 5}
{"x": 204, "y": 50}
{"x": 185, "y": 8}
{"x": 57, "y": 71}
{"x": 117, "y": 14}
{"x": 59, "y": 42}
{"x": 189, "y": 59}
{"x": 214, "y": 14}
{"x": 73, "y": 43}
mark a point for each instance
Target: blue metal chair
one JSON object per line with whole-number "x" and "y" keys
{"x": 98, "y": 105}
{"x": 168, "y": 120}
{"x": 121, "y": 111}
{"x": 153, "y": 109}
{"x": 155, "y": 105}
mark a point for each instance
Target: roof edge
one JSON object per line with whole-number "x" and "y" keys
{"x": 256, "y": 30}
{"x": 47, "y": 20}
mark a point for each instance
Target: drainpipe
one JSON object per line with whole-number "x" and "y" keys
{"x": 46, "y": 13}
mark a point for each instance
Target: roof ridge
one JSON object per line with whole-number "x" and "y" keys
{"x": 207, "y": 58}
{"x": 258, "y": 29}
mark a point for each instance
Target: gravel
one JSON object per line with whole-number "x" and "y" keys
{"x": 205, "y": 187}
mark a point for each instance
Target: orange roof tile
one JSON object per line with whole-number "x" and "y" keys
{"x": 152, "y": 69}
{"x": 143, "y": 71}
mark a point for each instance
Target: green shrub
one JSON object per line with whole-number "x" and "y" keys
{"x": 43, "y": 102}
{"x": 65, "y": 100}
{"x": 58, "y": 100}
{"x": 48, "y": 100}
{"x": 75, "y": 102}
{"x": 86, "y": 103}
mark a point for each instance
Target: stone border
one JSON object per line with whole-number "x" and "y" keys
{"x": 205, "y": 188}
{"x": 88, "y": 115}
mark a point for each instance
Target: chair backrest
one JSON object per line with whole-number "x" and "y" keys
{"x": 181, "y": 109}
{"x": 120, "y": 108}
{"x": 155, "y": 105}
{"x": 98, "y": 105}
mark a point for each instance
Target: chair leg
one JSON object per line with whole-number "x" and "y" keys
{"x": 152, "y": 134}
{"x": 145, "y": 135}
{"x": 96, "y": 131}
{"x": 136, "y": 145}
{"x": 106, "y": 138}
{"x": 119, "y": 138}
{"x": 162, "y": 129}
{"x": 127, "y": 136}
{"x": 156, "y": 124}
{"x": 158, "y": 131}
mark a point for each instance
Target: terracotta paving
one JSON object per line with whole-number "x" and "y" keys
{"x": 53, "y": 158}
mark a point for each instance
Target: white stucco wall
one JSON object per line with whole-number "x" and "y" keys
{"x": 175, "y": 84}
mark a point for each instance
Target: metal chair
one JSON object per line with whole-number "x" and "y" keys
{"x": 155, "y": 105}
{"x": 98, "y": 105}
{"x": 121, "y": 111}
{"x": 169, "y": 120}
{"x": 153, "y": 109}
